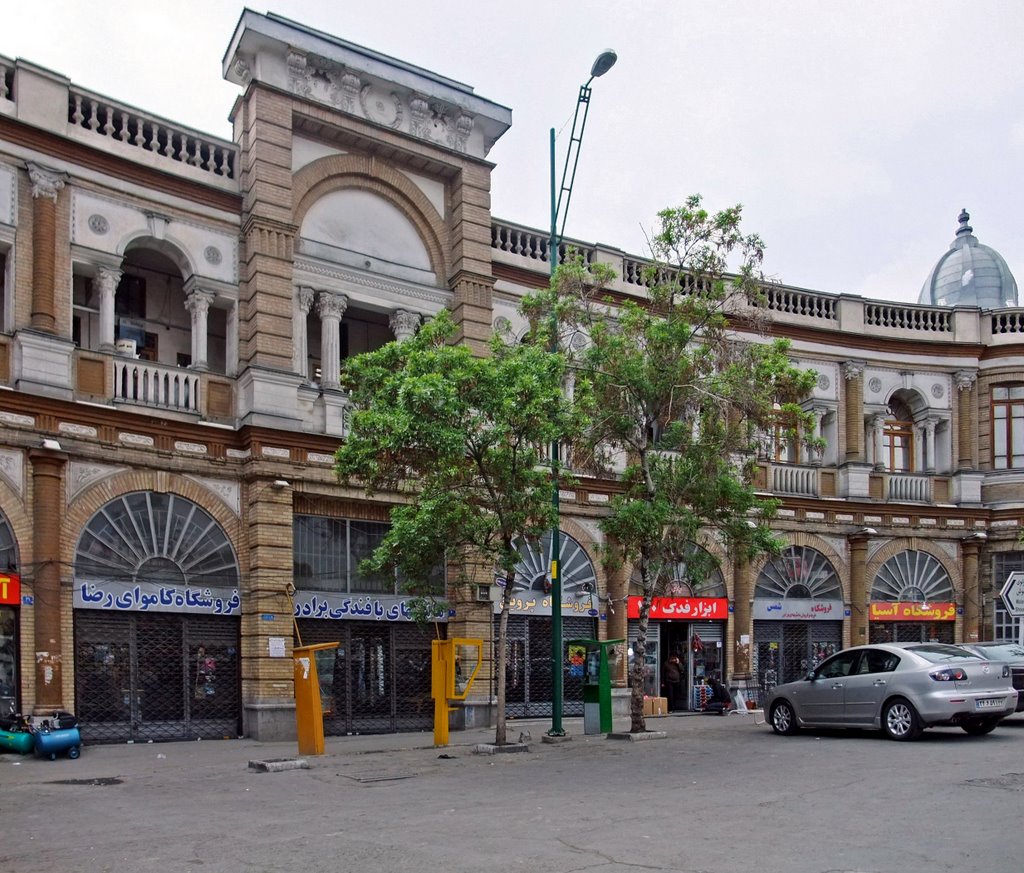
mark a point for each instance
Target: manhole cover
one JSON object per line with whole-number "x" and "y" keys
{"x": 376, "y": 776}
{"x": 1008, "y": 782}
{"x": 103, "y": 780}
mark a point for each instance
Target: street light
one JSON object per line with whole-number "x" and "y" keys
{"x": 603, "y": 63}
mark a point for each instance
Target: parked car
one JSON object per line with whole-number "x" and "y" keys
{"x": 899, "y": 688}
{"x": 1012, "y": 653}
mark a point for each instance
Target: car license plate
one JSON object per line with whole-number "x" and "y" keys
{"x": 989, "y": 702}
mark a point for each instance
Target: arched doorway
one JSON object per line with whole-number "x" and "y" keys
{"x": 156, "y": 607}
{"x": 10, "y": 603}
{"x": 798, "y": 615}
{"x": 912, "y": 600}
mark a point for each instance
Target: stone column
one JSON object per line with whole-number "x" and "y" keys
{"x": 876, "y": 446}
{"x": 197, "y": 302}
{"x": 743, "y": 594}
{"x": 331, "y": 307}
{"x": 853, "y": 376}
{"x": 929, "y": 444}
{"x": 965, "y": 380}
{"x": 47, "y": 517}
{"x": 301, "y": 306}
{"x": 404, "y": 325}
{"x": 107, "y": 279}
{"x": 231, "y": 341}
{"x": 46, "y": 185}
{"x": 858, "y": 587}
{"x": 813, "y": 455}
{"x": 971, "y": 549}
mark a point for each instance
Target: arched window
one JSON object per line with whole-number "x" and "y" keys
{"x": 532, "y": 571}
{"x": 898, "y": 438}
{"x": 163, "y": 538}
{"x": 8, "y": 549}
{"x": 912, "y": 576}
{"x": 800, "y": 573}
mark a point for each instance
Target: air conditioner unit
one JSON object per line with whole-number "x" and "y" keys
{"x": 483, "y": 593}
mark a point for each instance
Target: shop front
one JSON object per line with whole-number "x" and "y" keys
{"x": 690, "y": 630}
{"x": 10, "y": 600}
{"x": 380, "y": 682}
{"x": 798, "y": 614}
{"x": 912, "y": 601}
{"x": 157, "y": 615}
{"x": 528, "y": 643}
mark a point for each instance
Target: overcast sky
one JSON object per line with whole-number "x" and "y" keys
{"x": 852, "y": 133}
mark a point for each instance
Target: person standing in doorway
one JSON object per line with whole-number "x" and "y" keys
{"x": 672, "y": 675}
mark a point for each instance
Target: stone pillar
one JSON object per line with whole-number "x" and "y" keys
{"x": 813, "y": 455}
{"x": 971, "y": 549}
{"x": 301, "y": 307}
{"x": 858, "y": 588}
{"x": 197, "y": 302}
{"x": 268, "y": 696}
{"x": 929, "y": 444}
{"x": 965, "y": 380}
{"x": 47, "y": 518}
{"x": 231, "y": 341}
{"x": 876, "y": 445}
{"x": 743, "y": 594}
{"x": 853, "y": 376}
{"x": 107, "y": 279}
{"x": 404, "y": 325}
{"x": 46, "y": 185}
{"x": 331, "y": 307}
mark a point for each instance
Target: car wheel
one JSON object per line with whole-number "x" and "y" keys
{"x": 980, "y": 728}
{"x": 900, "y": 720}
{"x": 783, "y": 718}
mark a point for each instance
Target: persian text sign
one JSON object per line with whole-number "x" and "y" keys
{"x": 370, "y": 607}
{"x": 153, "y": 597}
{"x": 532, "y": 603}
{"x": 794, "y": 609}
{"x": 903, "y": 611}
{"x": 1013, "y": 594}
{"x": 690, "y": 608}
{"x": 10, "y": 589}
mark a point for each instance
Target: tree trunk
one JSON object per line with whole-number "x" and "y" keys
{"x": 636, "y": 678}
{"x": 502, "y": 658}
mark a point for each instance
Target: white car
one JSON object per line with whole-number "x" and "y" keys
{"x": 900, "y": 688}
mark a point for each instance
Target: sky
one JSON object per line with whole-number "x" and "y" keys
{"x": 851, "y": 133}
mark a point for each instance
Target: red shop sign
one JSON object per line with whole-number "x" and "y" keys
{"x": 10, "y": 589}
{"x": 685, "y": 608}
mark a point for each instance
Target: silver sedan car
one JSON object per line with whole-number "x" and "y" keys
{"x": 900, "y": 688}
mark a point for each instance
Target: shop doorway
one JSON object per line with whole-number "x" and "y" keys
{"x": 698, "y": 645}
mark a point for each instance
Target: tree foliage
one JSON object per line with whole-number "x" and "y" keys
{"x": 462, "y": 439}
{"x": 676, "y": 390}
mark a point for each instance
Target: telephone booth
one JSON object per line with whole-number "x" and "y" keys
{"x": 596, "y": 661}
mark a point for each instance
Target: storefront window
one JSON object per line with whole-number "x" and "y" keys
{"x": 1008, "y": 427}
{"x": 8, "y": 661}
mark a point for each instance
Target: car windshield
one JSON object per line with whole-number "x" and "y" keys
{"x": 1002, "y": 652}
{"x": 937, "y": 653}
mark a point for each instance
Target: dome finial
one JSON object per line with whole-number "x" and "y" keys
{"x": 963, "y": 218}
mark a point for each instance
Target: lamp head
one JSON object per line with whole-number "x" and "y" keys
{"x": 280, "y": 484}
{"x": 604, "y": 62}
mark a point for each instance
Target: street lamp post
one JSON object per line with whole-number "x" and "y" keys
{"x": 559, "y": 207}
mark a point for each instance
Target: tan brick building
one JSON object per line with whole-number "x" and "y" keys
{"x": 175, "y": 309}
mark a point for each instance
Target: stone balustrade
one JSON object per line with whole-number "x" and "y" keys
{"x": 533, "y": 244}
{"x": 149, "y": 133}
{"x": 6, "y": 79}
{"x": 789, "y": 479}
{"x": 916, "y": 489}
{"x": 905, "y": 317}
{"x": 156, "y": 385}
{"x": 795, "y": 301}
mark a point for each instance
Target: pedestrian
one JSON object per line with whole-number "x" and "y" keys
{"x": 720, "y": 701}
{"x": 672, "y": 677}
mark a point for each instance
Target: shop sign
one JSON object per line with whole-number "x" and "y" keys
{"x": 10, "y": 589}
{"x": 687, "y": 608}
{"x": 904, "y": 611}
{"x": 529, "y": 603}
{"x": 793, "y": 609}
{"x": 154, "y": 597}
{"x": 369, "y": 607}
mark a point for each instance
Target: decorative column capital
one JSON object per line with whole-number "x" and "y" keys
{"x": 107, "y": 279}
{"x": 853, "y": 369}
{"x": 929, "y": 426}
{"x": 965, "y": 379}
{"x": 305, "y": 297}
{"x": 404, "y": 324}
{"x": 878, "y": 422}
{"x": 331, "y": 305}
{"x": 46, "y": 183}
{"x": 198, "y": 301}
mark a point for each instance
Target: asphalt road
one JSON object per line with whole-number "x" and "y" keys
{"x": 717, "y": 795}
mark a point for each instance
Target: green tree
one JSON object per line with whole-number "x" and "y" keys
{"x": 461, "y": 439}
{"x": 676, "y": 397}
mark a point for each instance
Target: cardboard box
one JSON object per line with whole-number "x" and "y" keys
{"x": 649, "y": 706}
{"x": 655, "y": 707}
